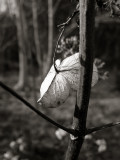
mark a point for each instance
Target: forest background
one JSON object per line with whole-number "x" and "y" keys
{"x": 28, "y": 35}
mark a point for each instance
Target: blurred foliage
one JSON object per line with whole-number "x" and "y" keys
{"x": 107, "y": 43}
{"x": 107, "y": 40}
{"x": 68, "y": 46}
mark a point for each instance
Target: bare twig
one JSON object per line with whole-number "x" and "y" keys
{"x": 102, "y": 127}
{"x": 68, "y": 19}
{"x": 12, "y": 92}
{"x": 58, "y": 40}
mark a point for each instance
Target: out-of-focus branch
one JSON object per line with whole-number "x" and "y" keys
{"x": 96, "y": 129}
{"x": 7, "y": 44}
{"x": 50, "y": 36}
{"x": 17, "y": 96}
{"x": 56, "y": 6}
{"x": 22, "y": 43}
{"x": 36, "y": 33}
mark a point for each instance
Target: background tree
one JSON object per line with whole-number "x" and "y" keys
{"x": 22, "y": 41}
{"x": 36, "y": 35}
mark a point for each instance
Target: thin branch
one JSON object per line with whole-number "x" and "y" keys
{"x": 12, "y": 92}
{"x": 56, "y": 47}
{"x": 68, "y": 19}
{"x": 96, "y": 129}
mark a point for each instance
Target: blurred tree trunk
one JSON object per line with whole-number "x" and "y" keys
{"x": 51, "y": 12}
{"x": 21, "y": 33}
{"x": 28, "y": 51}
{"x": 8, "y": 6}
{"x": 37, "y": 47}
{"x": 50, "y": 35}
{"x": 36, "y": 34}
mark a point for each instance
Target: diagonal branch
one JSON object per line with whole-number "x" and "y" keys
{"x": 12, "y": 92}
{"x": 96, "y": 129}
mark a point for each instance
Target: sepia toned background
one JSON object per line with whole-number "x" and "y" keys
{"x": 28, "y": 36}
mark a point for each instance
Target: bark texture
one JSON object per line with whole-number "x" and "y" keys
{"x": 86, "y": 49}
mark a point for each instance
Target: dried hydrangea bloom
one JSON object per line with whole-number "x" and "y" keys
{"x": 56, "y": 87}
